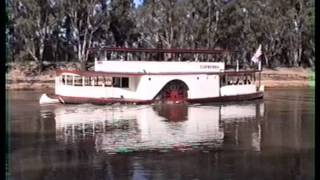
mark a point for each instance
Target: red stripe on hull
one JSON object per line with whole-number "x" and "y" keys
{"x": 242, "y": 97}
{"x": 81, "y": 100}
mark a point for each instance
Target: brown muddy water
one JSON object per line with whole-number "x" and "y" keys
{"x": 266, "y": 139}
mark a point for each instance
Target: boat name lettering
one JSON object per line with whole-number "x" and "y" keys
{"x": 209, "y": 67}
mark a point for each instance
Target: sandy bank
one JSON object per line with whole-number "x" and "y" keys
{"x": 287, "y": 77}
{"x": 23, "y": 78}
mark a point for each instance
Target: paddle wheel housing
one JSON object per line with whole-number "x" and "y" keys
{"x": 175, "y": 91}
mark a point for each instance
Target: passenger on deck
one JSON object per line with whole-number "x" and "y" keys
{"x": 237, "y": 82}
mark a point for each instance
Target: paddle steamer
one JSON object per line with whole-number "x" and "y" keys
{"x": 145, "y": 82}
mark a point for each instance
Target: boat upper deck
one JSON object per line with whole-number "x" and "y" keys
{"x": 158, "y": 67}
{"x": 128, "y": 68}
{"x": 177, "y": 61}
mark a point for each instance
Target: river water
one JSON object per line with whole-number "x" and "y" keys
{"x": 271, "y": 138}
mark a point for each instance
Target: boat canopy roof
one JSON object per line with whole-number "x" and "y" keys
{"x": 159, "y": 50}
{"x": 130, "y": 74}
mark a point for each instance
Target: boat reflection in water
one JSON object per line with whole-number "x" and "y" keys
{"x": 158, "y": 127}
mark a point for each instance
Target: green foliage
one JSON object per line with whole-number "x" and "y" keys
{"x": 58, "y": 30}
{"x": 122, "y": 23}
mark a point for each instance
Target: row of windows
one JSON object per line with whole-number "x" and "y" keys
{"x": 237, "y": 80}
{"x": 122, "y": 82}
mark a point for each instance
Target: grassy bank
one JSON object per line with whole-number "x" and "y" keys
{"x": 26, "y": 77}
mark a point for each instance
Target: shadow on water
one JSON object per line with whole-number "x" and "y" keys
{"x": 270, "y": 138}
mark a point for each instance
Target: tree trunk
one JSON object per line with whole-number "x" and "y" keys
{"x": 295, "y": 57}
{"x": 83, "y": 66}
{"x": 40, "y": 58}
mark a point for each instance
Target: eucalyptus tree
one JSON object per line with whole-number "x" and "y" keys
{"x": 204, "y": 19}
{"x": 309, "y": 34}
{"x": 122, "y": 23}
{"x": 9, "y": 33}
{"x": 64, "y": 29}
{"x": 287, "y": 36}
{"x": 33, "y": 23}
{"x": 178, "y": 24}
{"x": 87, "y": 21}
{"x": 162, "y": 24}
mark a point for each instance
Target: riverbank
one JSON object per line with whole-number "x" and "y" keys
{"x": 288, "y": 77}
{"x": 25, "y": 77}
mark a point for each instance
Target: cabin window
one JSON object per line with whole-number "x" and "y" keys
{"x": 78, "y": 81}
{"x": 223, "y": 80}
{"x": 69, "y": 79}
{"x": 87, "y": 81}
{"x": 108, "y": 81}
{"x": 253, "y": 77}
{"x": 233, "y": 80}
{"x": 240, "y": 79}
{"x": 247, "y": 79}
{"x": 96, "y": 81}
{"x": 93, "y": 81}
{"x": 100, "y": 81}
{"x": 125, "y": 82}
{"x": 122, "y": 82}
{"x": 62, "y": 79}
{"x": 116, "y": 81}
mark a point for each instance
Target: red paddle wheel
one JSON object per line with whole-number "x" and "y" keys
{"x": 174, "y": 92}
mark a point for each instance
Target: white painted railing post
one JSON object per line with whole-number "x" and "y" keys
{"x": 259, "y": 66}
{"x": 237, "y": 65}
